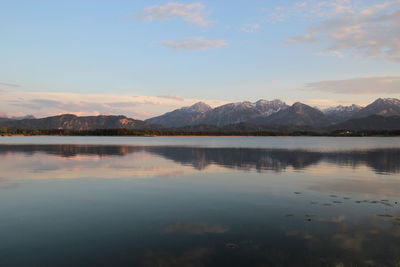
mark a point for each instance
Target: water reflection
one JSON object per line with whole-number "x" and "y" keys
{"x": 380, "y": 160}
{"x": 84, "y": 205}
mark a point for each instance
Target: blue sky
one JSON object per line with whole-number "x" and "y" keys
{"x": 142, "y": 58}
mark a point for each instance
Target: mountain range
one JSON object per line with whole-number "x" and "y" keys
{"x": 275, "y": 113}
{"x": 73, "y": 122}
{"x": 263, "y": 115}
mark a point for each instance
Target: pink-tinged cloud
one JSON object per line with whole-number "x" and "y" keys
{"x": 363, "y": 85}
{"x": 6, "y": 84}
{"x": 42, "y": 104}
{"x": 192, "y": 13}
{"x": 371, "y": 32}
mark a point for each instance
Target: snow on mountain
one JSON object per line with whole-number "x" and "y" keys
{"x": 241, "y": 112}
{"x": 201, "y": 113}
{"x": 341, "y": 113}
{"x": 298, "y": 114}
{"x": 341, "y": 108}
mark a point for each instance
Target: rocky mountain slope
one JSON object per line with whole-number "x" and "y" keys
{"x": 241, "y": 112}
{"x": 183, "y": 116}
{"x": 381, "y": 106}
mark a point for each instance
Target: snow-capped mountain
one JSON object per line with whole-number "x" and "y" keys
{"x": 341, "y": 113}
{"x": 270, "y": 107}
{"x": 298, "y": 114}
{"x": 275, "y": 112}
{"x": 241, "y": 112}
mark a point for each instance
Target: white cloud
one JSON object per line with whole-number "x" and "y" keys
{"x": 250, "y": 28}
{"x": 195, "y": 43}
{"x": 363, "y": 85}
{"x": 305, "y": 38}
{"x": 313, "y": 8}
{"x": 325, "y": 8}
{"x": 41, "y": 104}
{"x": 372, "y": 31}
{"x": 9, "y": 84}
{"x": 175, "y": 97}
{"x": 193, "y": 13}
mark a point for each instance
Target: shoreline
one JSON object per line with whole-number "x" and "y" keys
{"x": 208, "y": 135}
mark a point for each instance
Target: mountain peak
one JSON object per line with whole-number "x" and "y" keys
{"x": 181, "y": 117}
{"x": 389, "y": 101}
{"x": 381, "y": 106}
{"x": 302, "y": 108}
{"x": 197, "y": 107}
{"x": 298, "y": 105}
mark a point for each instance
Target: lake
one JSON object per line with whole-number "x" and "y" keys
{"x": 199, "y": 201}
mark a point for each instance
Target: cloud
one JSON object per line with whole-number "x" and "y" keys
{"x": 312, "y": 8}
{"x": 320, "y": 8}
{"x": 171, "y": 97}
{"x": 195, "y": 43}
{"x": 79, "y": 106}
{"x": 368, "y": 31}
{"x": 9, "y": 84}
{"x": 192, "y": 13}
{"x": 363, "y": 85}
{"x": 42, "y": 104}
{"x": 250, "y": 28}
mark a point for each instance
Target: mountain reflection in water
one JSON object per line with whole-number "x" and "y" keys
{"x": 118, "y": 205}
{"x": 380, "y": 160}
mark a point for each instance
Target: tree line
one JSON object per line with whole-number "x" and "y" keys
{"x": 151, "y": 132}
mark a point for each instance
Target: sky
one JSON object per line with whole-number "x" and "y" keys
{"x": 142, "y": 58}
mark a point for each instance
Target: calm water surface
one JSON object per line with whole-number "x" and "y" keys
{"x": 199, "y": 201}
